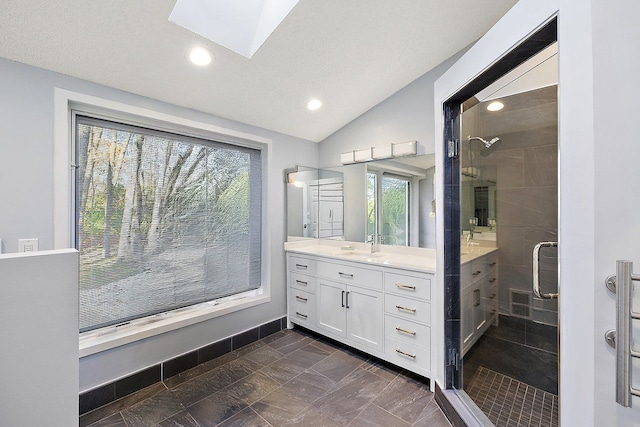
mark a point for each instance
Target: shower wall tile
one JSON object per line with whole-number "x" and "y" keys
{"x": 510, "y": 165}
{"x": 510, "y": 245}
{"x": 541, "y": 166}
{"x": 526, "y": 119}
{"x": 528, "y": 207}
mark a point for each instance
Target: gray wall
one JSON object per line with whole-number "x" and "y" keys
{"x": 526, "y": 164}
{"x": 26, "y": 173}
{"x": 406, "y": 115}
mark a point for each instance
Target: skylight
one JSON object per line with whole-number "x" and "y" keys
{"x": 242, "y": 26}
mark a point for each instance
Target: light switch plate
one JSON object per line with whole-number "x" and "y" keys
{"x": 27, "y": 245}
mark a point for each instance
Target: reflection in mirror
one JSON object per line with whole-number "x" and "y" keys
{"x": 391, "y": 201}
{"x": 315, "y": 203}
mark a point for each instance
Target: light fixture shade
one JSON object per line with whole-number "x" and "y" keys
{"x": 363, "y": 155}
{"x": 403, "y": 149}
{"x": 347, "y": 158}
{"x": 383, "y": 152}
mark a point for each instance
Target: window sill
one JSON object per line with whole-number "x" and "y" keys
{"x": 93, "y": 342}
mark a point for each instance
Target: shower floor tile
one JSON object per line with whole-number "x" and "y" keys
{"x": 511, "y": 403}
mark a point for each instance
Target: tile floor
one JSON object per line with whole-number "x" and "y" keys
{"x": 511, "y": 403}
{"x": 290, "y": 378}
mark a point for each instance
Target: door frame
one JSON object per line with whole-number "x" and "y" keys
{"x": 576, "y": 190}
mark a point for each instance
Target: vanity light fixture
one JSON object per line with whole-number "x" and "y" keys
{"x": 495, "y": 106}
{"x": 400, "y": 149}
{"x": 200, "y": 56}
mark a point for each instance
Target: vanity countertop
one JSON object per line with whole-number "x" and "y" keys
{"x": 417, "y": 259}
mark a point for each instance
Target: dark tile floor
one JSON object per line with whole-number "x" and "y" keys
{"x": 520, "y": 349}
{"x": 290, "y": 378}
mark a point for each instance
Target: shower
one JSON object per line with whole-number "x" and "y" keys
{"x": 489, "y": 146}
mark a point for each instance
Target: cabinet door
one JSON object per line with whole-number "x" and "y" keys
{"x": 365, "y": 316}
{"x": 467, "y": 311}
{"x": 330, "y": 309}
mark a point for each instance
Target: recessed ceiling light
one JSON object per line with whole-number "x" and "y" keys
{"x": 200, "y": 56}
{"x": 495, "y": 106}
{"x": 314, "y": 104}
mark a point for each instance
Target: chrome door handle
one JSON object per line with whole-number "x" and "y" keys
{"x": 536, "y": 269}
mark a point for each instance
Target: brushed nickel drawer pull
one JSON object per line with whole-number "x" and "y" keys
{"x": 475, "y": 273}
{"x": 302, "y": 266}
{"x": 299, "y": 298}
{"x": 340, "y": 273}
{"x": 492, "y": 296}
{"x": 413, "y": 356}
{"x": 403, "y": 286}
{"x": 300, "y": 282}
{"x": 491, "y": 264}
{"x": 404, "y": 331}
{"x": 304, "y": 316}
{"x": 493, "y": 279}
{"x": 412, "y": 310}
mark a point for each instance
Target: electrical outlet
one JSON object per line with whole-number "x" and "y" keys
{"x": 27, "y": 245}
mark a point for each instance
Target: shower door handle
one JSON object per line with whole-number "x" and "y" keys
{"x": 536, "y": 269}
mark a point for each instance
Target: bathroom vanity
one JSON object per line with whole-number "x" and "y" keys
{"x": 379, "y": 303}
{"x": 478, "y": 294}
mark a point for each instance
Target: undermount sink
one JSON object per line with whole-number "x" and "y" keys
{"x": 367, "y": 255}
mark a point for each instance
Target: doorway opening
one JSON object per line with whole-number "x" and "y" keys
{"x": 501, "y": 201}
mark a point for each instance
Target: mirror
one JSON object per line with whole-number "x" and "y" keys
{"x": 390, "y": 199}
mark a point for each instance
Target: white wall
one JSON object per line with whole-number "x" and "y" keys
{"x": 39, "y": 374}
{"x": 404, "y": 116}
{"x": 26, "y": 173}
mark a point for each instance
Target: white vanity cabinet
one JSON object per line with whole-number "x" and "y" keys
{"x": 350, "y": 302}
{"x": 478, "y": 297}
{"x": 377, "y": 309}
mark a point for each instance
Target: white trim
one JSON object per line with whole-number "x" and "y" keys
{"x": 113, "y": 336}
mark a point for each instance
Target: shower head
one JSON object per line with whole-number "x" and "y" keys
{"x": 489, "y": 146}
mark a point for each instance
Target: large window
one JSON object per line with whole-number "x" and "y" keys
{"x": 163, "y": 221}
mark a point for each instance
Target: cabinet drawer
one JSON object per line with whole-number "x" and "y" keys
{"x": 402, "y": 284}
{"x": 350, "y": 274}
{"x": 414, "y": 357}
{"x": 302, "y": 307}
{"x": 302, "y": 265}
{"x": 410, "y": 309}
{"x": 409, "y": 332}
{"x": 302, "y": 282}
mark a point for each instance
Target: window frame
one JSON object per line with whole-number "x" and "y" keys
{"x": 66, "y": 105}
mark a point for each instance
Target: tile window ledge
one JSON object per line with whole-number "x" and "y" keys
{"x": 93, "y": 342}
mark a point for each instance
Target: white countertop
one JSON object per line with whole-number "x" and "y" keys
{"x": 417, "y": 259}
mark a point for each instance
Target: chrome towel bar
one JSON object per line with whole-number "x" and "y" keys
{"x": 621, "y": 338}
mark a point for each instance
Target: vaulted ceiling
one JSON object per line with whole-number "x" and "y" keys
{"x": 351, "y": 54}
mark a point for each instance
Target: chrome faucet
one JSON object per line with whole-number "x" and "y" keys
{"x": 372, "y": 239}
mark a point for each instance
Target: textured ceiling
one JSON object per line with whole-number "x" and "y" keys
{"x": 351, "y": 54}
